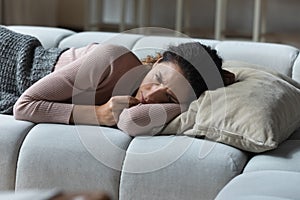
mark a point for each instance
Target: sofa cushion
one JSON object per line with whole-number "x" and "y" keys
{"x": 150, "y": 45}
{"x": 286, "y": 157}
{"x": 72, "y": 158}
{"x": 273, "y": 56}
{"x": 178, "y": 167}
{"x": 263, "y": 185}
{"x": 85, "y": 38}
{"x": 48, "y": 36}
{"x": 296, "y": 70}
{"x": 12, "y": 134}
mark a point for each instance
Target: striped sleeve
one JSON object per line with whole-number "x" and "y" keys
{"x": 51, "y": 98}
{"x": 147, "y": 119}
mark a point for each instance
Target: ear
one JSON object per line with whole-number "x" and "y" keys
{"x": 228, "y": 77}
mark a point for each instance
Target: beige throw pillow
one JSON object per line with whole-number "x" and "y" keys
{"x": 255, "y": 114}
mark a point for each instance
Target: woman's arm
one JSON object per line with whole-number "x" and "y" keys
{"x": 106, "y": 114}
{"x": 147, "y": 119}
{"x": 50, "y": 99}
{"x": 46, "y": 100}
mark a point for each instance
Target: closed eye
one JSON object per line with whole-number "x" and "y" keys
{"x": 158, "y": 77}
{"x": 169, "y": 94}
{"x": 172, "y": 98}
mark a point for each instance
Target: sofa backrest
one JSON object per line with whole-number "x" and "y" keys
{"x": 296, "y": 69}
{"x": 273, "y": 56}
{"x": 48, "y": 36}
{"x": 279, "y": 57}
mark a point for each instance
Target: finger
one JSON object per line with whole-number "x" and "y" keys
{"x": 121, "y": 99}
{"x": 133, "y": 101}
{"x": 126, "y": 101}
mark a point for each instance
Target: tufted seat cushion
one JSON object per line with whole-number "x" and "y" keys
{"x": 267, "y": 185}
{"x": 285, "y": 157}
{"x": 178, "y": 167}
{"x": 12, "y": 134}
{"x": 72, "y": 158}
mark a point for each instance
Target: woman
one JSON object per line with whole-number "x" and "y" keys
{"x": 86, "y": 85}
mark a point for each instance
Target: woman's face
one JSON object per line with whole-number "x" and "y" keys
{"x": 164, "y": 83}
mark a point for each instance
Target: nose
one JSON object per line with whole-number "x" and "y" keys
{"x": 156, "y": 94}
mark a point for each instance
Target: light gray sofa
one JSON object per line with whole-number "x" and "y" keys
{"x": 42, "y": 156}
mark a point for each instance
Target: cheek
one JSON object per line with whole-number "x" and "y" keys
{"x": 145, "y": 86}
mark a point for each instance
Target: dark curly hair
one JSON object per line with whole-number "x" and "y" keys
{"x": 190, "y": 57}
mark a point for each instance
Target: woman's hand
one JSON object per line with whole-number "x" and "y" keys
{"x": 108, "y": 113}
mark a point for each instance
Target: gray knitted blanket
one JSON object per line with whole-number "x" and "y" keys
{"x": 23, "y": 61}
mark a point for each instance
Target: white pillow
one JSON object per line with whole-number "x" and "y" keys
{"x": 256, "y": 114}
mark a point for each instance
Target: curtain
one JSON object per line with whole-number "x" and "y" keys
{"x": 29, "y": 12}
